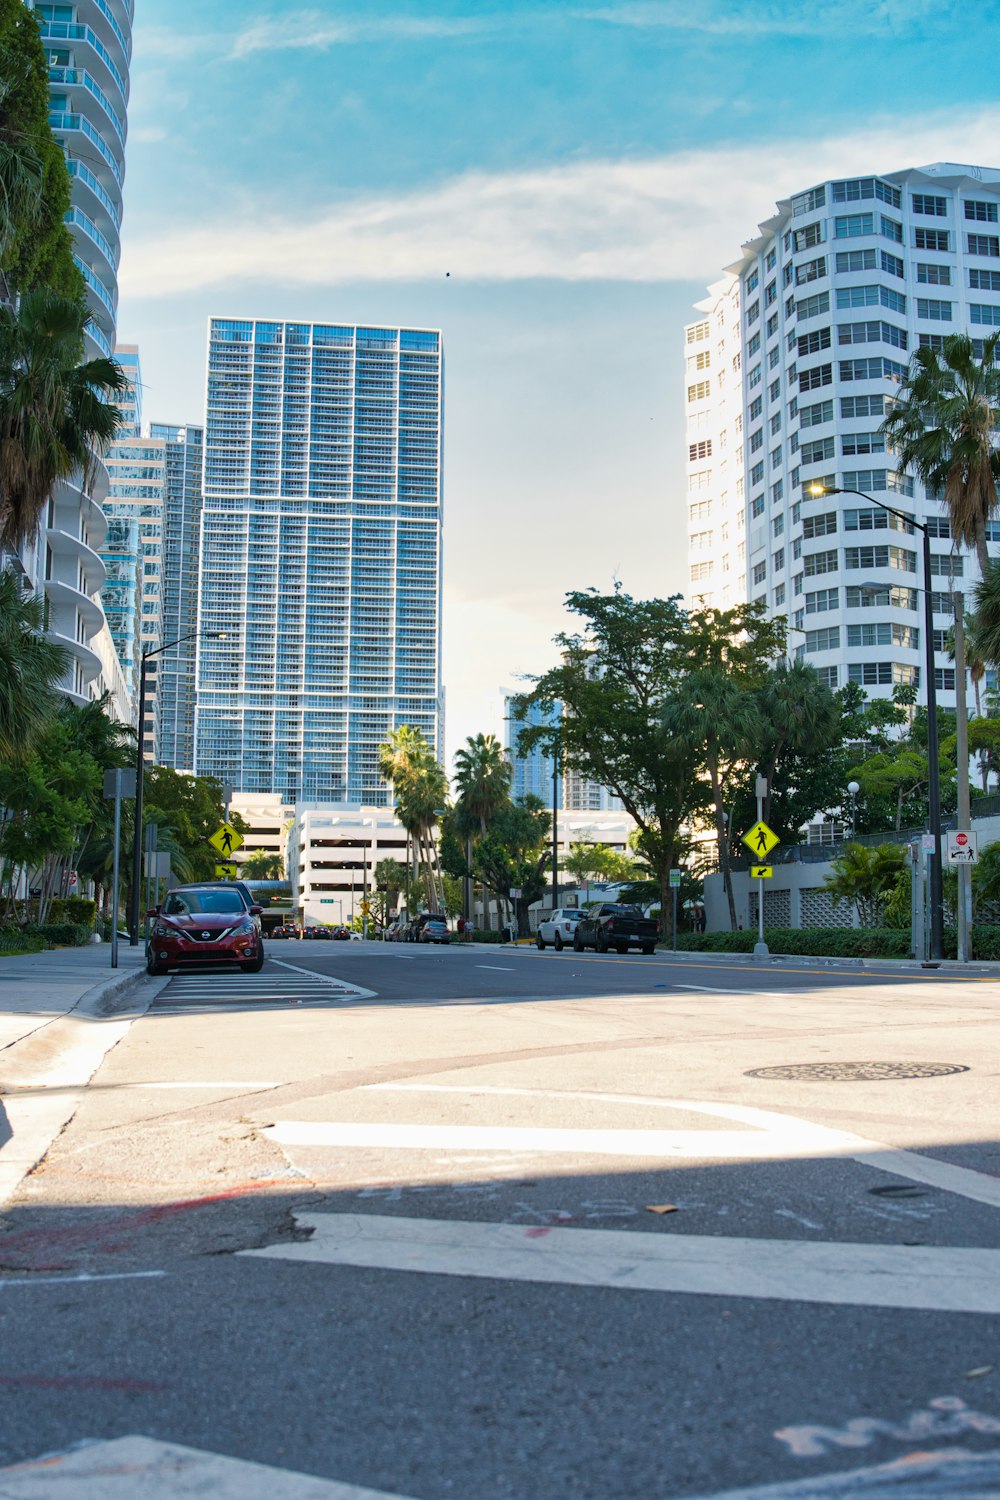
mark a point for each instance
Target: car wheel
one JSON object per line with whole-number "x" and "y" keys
{"x": 559, "y": 945}
{"x": 255, "y": 965}
{"x": 649, "y": 948}
{"x": 154, "y": 968}
{"x": 602, "y": 943}
{"x": 577, "y": 943}
{"x": 539, "y": 940}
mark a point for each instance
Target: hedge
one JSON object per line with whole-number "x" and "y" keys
{"x": 16, "y": 940}
{"x": 63, "y": 934}
{"x": 834, "y": 942}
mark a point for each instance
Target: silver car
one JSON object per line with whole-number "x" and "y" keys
{"x": 558, "y": 928}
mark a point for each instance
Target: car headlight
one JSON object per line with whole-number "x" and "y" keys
{"x": 242, "y": 928}
{"x": 161, "y": 930}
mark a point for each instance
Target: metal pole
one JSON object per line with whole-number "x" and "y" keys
{"x": 963, "y": 820}
{"x": 114, "y": 877}
{"x": 555, "y": 829}
{"x": 933, "y": 762}
{"x": 137, "y": 831}
{"x": 675, "y": 918}
{"x": 761, "y": 949}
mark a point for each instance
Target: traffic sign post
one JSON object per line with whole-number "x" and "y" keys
{"x": 675, "y": 885}
{"x": 963, "y": 848}
{"x": 226, "y": 839}
{"x": 118, "y": 783}
{"x": 760, "y": 841}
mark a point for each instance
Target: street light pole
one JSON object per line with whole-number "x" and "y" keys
{"x": 933, "y": 763}
{"x": 139, "y": 763}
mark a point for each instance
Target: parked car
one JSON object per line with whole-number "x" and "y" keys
{"x": 207, "y": 924}
{"x": 420, "y": 922}
{"x": 340, "y": 934}
{"x": 434, "y": 930}
{"x": 615, "y": 926}
{"x": 558, "y": 928}
{"x": 246, "y": 894}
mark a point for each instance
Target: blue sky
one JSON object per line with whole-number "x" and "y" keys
{"x": 552, "y": 186}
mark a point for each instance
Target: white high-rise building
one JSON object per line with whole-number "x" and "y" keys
{"x": 89, "y": 47}
{"x": 319, "y": 603}
{"x": 842, "y": 284}
{"x": 183, "y": 447}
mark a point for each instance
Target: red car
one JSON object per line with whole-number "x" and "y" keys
{"x": 207, "y": 924}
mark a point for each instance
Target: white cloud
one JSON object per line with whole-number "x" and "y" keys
{"x": 842, "y": 17}
{"x": 675, "y": 217}
{"x": 311, "y": 29}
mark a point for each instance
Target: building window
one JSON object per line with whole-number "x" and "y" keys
{"x": 825, "y": 525}
{"x": 856, "y": 260}
{"x": 812, "y": 380}
{"x": 932, "y": 239}
{"x": 891, "y": 229}
{"x": 874, "y": 518}
{"x": 872, "y": 369}
{"x": 759, "y": 572}
{"x": 862, "y": 442}
{"x": 827, "y": 676}
{"x": 815, "y": 563}
{"x": 827, "y": 639}
{"x": 701, "y": 391}
{"x": 807, "y": 237}
{"x": 882, "y": 598}
{"x": 980, "y": 312}
{"x": 757, "y": 440}
{"x": 778, "y": 560}
{"x": 872, "y": 332}
{"x": 753, "y": 282}
{"x": 817, "y": 452}
{"x": 849, "y": 226}
{"x": 891, "y": 264}
{"x": 699, "y": 450}
{"x": 756, "y": 507}
{"x": 812, "y": 307}
{"x": 947, "y": 565}
{"x": 779, "y": 595}
{"x": 757, "y": 473}
{"x": 933, "y": 274}
{"x": 863, "y": 406}
{"x": 822, "y": 600}
{"x": 754, "y": 378}
{"x": 928, "y": 203}
{"x": 944, "y": 677}
{"x": 814, "y": 341}
{"x": 810, "y": 270}
{"x": 985, "y": 212}
{"x": 984, "y": 281}
{"x": 933, "y": 311}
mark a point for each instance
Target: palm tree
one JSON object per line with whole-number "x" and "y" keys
{"x": 30, "y": 667}
{"x": 482, "y": 778}
{"x": 55, "y": 418}
{"x": 866, "y": 876}
{"x": 420, "y": 787}
{"x": 941, "y": 429}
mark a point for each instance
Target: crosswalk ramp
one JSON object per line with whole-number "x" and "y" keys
{"x": 279, "y": 984}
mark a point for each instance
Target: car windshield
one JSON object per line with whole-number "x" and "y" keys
{"x": 184, "y": 903}
{"x": 621, "y": 911}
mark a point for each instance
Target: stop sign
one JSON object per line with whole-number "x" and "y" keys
{"x": 961, "y": 839}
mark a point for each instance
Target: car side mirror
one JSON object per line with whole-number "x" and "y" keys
{"x": 255, "y": 911}
{"x": 154, "y": 911}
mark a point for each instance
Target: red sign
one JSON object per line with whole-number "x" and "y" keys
{"x": 961, "y": 839}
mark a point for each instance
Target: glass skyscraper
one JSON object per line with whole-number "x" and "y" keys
{"x": 179, "y": 583}
{"x": 319, "y": 602}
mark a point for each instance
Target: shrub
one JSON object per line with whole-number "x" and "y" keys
{"x": 485, "y": 937}
{"x": 817, "y": 942}
{"x": 16, "y": 940}
{"x": 62, "y": 934}
{"x": 79, "y": 909}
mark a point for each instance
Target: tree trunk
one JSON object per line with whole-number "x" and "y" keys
{"x": 721, "y": 835}
{"x": 982, "y": 551}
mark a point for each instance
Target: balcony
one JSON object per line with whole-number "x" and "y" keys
{"x": 90, "y": 99}
{"x": 64, "y": 598}
{"x": 63, "y": 545}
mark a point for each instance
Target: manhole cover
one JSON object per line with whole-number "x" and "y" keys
{"x": 857, "y": 1072}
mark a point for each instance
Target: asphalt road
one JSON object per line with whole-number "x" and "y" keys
{"x": 492, "y": 1222}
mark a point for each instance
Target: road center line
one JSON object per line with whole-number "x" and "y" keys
{"x": 497, "y": 968}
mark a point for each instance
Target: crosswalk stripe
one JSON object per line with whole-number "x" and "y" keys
{"x": 280, "y": 983}
{"x": 130, "y": 1466}
{"x": 945, "y": 1475}
{"x": 842, "y": 1273}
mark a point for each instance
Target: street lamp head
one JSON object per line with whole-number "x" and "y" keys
{"x": 854, "y": 787}
{"x": 818, "y": 489}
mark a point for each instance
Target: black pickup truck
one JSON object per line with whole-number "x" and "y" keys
{"x": 614, "y": 926}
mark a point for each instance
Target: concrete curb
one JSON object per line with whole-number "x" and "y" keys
{"x": 905, "y": 965}
{"x": 96, "y": 1000}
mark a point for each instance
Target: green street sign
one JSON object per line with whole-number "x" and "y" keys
{"x": 675, "y": 879}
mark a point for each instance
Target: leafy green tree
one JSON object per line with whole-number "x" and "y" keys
{"x": 390, "y": 879}
{"x": 36, "y": 246}
{"x": 617, "y": 677}
{"x": 55, "y": 415}
{"x": 192, "y": 808}
{"x": 942, "y": 427}
{"x": 514, "y": 853}
{"x": 866, "y": 876}
{"x": 30, "y": 667}
{"x": 263, "y": 866}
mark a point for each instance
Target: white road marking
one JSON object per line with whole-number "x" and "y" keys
{"x": 356, "y": 990}
{"x": 213, "y": 1083}
{"x": 84, "y": 1276}
{"x": 132, "y": 1466}
{"x": 497, "y": 968}
{"x": 950, "y": 1475}
{"x": 776, "y": 1135}
{"x": 900, "y": 1276}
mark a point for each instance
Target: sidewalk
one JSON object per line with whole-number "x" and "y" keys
{"x": 36, "y": 988}
{"x": 57, "y": 1024}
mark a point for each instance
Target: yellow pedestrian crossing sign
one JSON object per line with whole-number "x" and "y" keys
{"x": 761, "y": 872}
{"x": 226, "y": 872}
{"x": 226, "y": 839}
{"x": 761, "y": 839}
